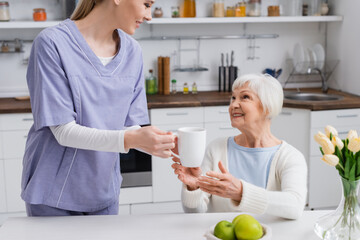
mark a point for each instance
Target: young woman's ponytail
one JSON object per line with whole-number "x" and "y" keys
{"x": 83, "y": 8}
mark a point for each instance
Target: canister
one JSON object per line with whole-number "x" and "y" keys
{"x": 4, "y": 11}
{"x": 218, "y": 8}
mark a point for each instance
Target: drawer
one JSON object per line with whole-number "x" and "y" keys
{"x": 18, "y": 121}
{"x": 157, "y": 208}
{"x": 135, "y": 195}
{"x": 336, "y": 118}
{"x": 13, "y": 171}
{"x": 217, "y": 114}
{"x": 176, "y": 115}
{"x": 14, "y": 144}
{"x": 218, "y": 130}
{"x": 342, "y": 131}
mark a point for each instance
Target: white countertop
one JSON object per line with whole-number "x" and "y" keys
{"x": 164, "y": 226}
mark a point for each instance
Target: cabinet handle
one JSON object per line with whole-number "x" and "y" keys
{"x": 223, "y": 112}
{"x": 347, "y": 116}
{"x": 28, "y": 119}
{"x": 25, "y": 136}
{"x": 342, "y": 132}
{"x": 286, "y": 113}
{"x": 177, "y": 114}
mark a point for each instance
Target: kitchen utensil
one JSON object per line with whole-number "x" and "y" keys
{"x": 299, "y": 58}
{"x": 221, "y": 74}
{"x": 278, "y": 73}
{"x": 232, "y": 72}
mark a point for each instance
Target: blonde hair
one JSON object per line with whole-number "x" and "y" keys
{"x": 83, "y": 8}
{"x": 268, "y": 89}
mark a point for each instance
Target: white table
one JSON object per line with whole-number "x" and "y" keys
{"x": 165, "y": 226}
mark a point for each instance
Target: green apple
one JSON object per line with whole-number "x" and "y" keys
{"x": 224, "y": 230}
{"x": 246, "y": 227}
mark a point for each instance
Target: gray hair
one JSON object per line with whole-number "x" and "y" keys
{"x": 268, "y": 89}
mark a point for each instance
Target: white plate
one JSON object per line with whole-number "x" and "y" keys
{"x": 209, "y": 235}
{"x": 320, "y": 55}
{"x": 299, "y": 58}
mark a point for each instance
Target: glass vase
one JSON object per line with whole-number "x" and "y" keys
{"x": 344, "y": 222}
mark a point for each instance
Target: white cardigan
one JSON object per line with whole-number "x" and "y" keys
{"x": 284, "y": 196}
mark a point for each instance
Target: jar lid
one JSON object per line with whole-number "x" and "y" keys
{"x": 39, "y": 9}
{"x": 255, "y": 1}
{"x": 4, "y": 3}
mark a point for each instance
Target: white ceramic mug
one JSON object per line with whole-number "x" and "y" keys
{"x": 191, "y": 146}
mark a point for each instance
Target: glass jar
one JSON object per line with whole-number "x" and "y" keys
{"x": 230, "y": 11}
{"x": 175, "y": 12}
{"x": 4, "y": 11}
{"x": 254, "y": 8}
{"x": 173, "y": 86}
{"x": 158, "y": 13}
{"x": 218, "y": 8}
{"x": 188, "y": 8}
{"x": 151, "y": 83}
{"x": 240, "y": 9}
{"x": 186, "y": 88}
{"x": 39, "y": 14}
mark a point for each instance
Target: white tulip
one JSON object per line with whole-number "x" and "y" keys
{"x": 330, "y": 159}
{"x": 330, "y": 129}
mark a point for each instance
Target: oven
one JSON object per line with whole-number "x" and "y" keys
{"x": 135, "y": 169}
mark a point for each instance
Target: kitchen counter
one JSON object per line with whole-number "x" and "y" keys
{"x": 151, "y": 227}
{"x": 11, "y": 105}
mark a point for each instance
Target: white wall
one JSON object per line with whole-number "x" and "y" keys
{"x": 343, "y": 43}
{"x": 272, "y": 53}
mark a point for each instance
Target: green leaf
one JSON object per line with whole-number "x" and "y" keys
{"x": 358, "y": 165}
{"x": 340, "y": 170}
{"x": 321, "y": 151}
{"x": 339, "y": 154}
{"x": 331, "y": 136}
{"x": 352, "y": 172}
{"x": 347, "y": 166}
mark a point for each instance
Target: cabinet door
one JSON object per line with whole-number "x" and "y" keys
{"x": 13, "y": 171}
{"x": 324, "y": 185}
{"x": 16, "y": 121}
{"x": 14, "y": 143}
{"x": 181, "y": 116}
{"x": 2, "y": 188}
{"x": 166, "y": 185}
{"x": 219, "y": 129}
{"x": 292, "y": 125}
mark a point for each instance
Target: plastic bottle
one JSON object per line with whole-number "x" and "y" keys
{"x": 151, "y": 83}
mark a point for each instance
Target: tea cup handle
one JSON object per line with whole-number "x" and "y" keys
{"x": 172, "y": 153}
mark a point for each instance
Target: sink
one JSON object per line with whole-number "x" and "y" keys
{"x": 303, "y": 96}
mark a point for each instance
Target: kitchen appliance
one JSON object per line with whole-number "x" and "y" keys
{"x": 68, "y": 6}
{"x": 135, "y": 169}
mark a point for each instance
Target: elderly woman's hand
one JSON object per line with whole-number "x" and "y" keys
{"x": 186, "y": 175}
{"x": 221, "y": 184}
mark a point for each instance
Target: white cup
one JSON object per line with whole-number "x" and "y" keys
{"x": 191, "y": 146}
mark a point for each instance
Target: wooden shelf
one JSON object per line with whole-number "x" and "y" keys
{"x": 246, "y": 20}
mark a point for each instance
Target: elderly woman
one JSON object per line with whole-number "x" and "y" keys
{"x": 254, "y": 171}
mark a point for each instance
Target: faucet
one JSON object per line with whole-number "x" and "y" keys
{"x": 324, "y": 86}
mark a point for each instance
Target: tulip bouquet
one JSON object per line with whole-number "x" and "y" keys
{"x": 344, "y": 155}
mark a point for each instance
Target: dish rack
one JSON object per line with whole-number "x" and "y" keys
{"x": 310, "y": 72}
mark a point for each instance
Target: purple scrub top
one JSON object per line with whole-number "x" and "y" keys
{"x": 68, "y": 82}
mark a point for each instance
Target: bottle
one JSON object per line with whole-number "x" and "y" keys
{"x": 150, "y": 83}
{"x": 188, "y": 8}
{"x": 39, "y": 14}
{"x": 173, "y": 86}
{"x": 218, "y": 8}
{"x": 4, "y": 12}
{"x": 186, "y": 89}
{"x": 240, "y": 10}
{"x": 254, "y": 8}
{"x": 194, "y": 88}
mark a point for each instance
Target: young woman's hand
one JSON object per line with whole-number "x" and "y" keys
{"x": 150, "y": 139}
{"x": 221, "y": 184}
{"x": 189, "y": 176}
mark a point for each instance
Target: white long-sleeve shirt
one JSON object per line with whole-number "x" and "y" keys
{"x": 286, "y": 191}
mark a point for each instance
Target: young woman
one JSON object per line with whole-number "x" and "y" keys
{"x": 86, "y": 85}
{"x": 254, "y": 171}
